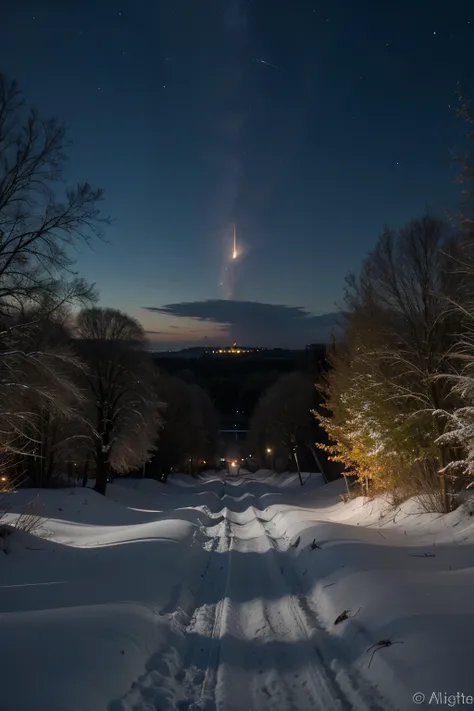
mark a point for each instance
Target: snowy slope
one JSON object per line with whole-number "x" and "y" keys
{"x": 222, "y": 595}
{"x": 81, "y": 602}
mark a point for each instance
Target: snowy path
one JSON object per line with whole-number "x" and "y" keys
{"x": 284, "y": 669}
{"x": 253, "y": 641}
{"x": 210, "y": 596}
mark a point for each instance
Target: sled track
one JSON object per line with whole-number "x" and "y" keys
{"x": 253, "y": 640}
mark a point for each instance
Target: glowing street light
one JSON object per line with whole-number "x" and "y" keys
{"x": 270, "y": 453}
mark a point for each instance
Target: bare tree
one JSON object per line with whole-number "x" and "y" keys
{"x": 401, "y": 328}
{"x": 283, "y": 420}
{"x": 466, "y": 163}
{"x": 190, "y": 428}
{"x": 41, "y": 223}
{"x": 39, "y": 229}
{"x": 38, "y": 384}
{"x": 459, "y": 434}
{"x": 123, "y": 409}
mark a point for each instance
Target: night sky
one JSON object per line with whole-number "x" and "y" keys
{"x": 309, "y": 124}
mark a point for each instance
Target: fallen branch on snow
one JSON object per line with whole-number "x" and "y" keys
{"x": 381, "y": 644}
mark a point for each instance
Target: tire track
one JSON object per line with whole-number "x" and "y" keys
{"x": 252, "y": 641}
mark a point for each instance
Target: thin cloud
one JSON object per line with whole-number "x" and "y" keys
{"x": 256, "y": 323}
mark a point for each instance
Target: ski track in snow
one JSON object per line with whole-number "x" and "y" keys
{"x": 252, "y": 641}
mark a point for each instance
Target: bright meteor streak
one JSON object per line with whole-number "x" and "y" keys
{"x": 234, "y": 253}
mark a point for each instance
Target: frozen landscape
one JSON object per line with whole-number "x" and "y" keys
{"x": 224, "y": 594}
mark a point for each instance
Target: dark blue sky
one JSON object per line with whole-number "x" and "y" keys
{"x": 172, "y": 112}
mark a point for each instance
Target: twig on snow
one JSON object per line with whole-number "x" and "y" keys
{"x": 381, "y": 644}
{"x": 345, "y": 615}
{"x": 423, "y": 555}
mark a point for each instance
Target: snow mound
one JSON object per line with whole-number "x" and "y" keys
{"x": 84, "y": 601}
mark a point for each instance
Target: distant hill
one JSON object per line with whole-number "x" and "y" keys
{"x": 319, "y": 329}
{"x": 213, "y": 352}
{"x": 195, "y": 352}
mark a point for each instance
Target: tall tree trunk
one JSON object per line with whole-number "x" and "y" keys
{"x": 102, "y": 471}
{"x": 444, "y": 493}
{"x": 445, "y": 501}
{"x": 85, "y": 472}
{"x": 295, "y": 455}
{"x": 444, "y": 451}
{"x": 347, "y": 483}
{"x": 318, "y": 462}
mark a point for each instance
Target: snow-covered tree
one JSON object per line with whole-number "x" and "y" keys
{"x": 459, "y": 434}
{"x": 384, "y": 386}
{"x": 39, "y": 374}
{"x": 123, "y": 410}
{"x": 41, "y": 222}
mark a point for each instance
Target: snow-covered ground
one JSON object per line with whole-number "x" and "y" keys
{"x": 223, "y": 595}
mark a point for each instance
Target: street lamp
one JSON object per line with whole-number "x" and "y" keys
{"x": 270, "y": 453}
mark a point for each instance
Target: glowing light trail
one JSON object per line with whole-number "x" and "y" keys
{"x": 234, "y": 253}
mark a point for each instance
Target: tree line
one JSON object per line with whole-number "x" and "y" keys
{"x": 396, "y": 398}
{"x": 77, "y": 387}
